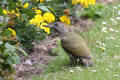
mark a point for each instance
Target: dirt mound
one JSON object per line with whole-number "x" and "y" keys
{"x": 81, "y": 24}
{"x": 106, "y": 1}
{"x": 36, "y": 61}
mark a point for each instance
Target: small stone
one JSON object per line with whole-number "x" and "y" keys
{"x": 28, "y": 63}
{"x": 14, "y": 65}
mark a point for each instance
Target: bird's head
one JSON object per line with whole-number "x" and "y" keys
{"x": 59, "y": 27}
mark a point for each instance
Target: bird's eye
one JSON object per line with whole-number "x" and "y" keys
{"x": 56, "y": 24}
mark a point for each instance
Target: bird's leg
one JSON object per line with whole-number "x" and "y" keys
{"x": 72, "y": 59}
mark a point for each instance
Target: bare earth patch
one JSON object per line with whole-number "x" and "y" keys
{"x": 36, "y": 61}
{"x": 106, "y": 1}
{"x": 81, "y": 24}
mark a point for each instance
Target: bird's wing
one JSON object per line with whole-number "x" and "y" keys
{"x": 74, "y": 44}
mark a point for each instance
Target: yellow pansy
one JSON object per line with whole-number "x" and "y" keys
{"x": 26, "y": 5}
{"x": 49, "y": 17}
{"x": 13, "y": 32}
{"x": 38, "y": 12}
{"x": 65, "y": 19}
{"x": 46, "y": 29}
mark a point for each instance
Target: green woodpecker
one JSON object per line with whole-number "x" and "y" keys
{"x": 73, "y": 44}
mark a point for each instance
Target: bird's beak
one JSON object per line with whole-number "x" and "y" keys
{"x": 50, "y": 26}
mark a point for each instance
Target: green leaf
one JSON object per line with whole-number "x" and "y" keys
{"x": 24, "y": 16}
{"x": 44, "y": 8}
{"x": 5, "y": 53}
{"x": 9, "y": 60}
{"x": 1, "y": 11}
{"x": 22, "y": 51}
{"x": 16, "y": 58}
{"x": 9, "y": 47}
{"x": 11, "y": 4}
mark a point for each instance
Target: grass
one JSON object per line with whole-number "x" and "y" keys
{"x": 106, "y": 66}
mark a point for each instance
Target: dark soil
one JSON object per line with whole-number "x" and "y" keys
{"x": 39, "y": 59}
{"x": 80, "y": 24}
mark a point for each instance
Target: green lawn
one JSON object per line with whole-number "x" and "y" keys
{"x": 105, "y": 47}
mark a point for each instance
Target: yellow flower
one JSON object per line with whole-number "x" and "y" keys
{"x": 86, "y": 3}
{"x": 33, "y": 21}
{"x": 26, "y": 5}
{"x": 40, "y": 1}
{"x": 49, "y": 17}
{"x": 74, "y": 2}
{"x": 37, "y": 0}
{"x": 13, "y": 32}
{"x": 5, "y": 12}
{"x": 46, "y": 29}
{"x": 38, "y": 12}
{"x": 65, "y": 19}
{"x": 37, "y": 20}
{"x": 13, "y": 11}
